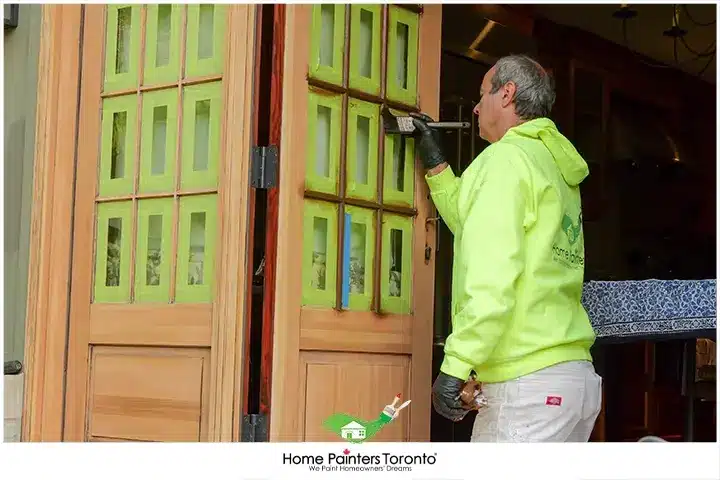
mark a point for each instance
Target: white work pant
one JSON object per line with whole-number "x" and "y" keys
{"x": 557, "y": 404}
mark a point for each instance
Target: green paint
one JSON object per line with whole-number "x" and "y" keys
{"x": 196, "y": 249}
{"x": 154, "y": 244}
{"x": 405, "y": 93}
{"x": 319, "y": 250}
{"x": 362, "y": 256}
{"x": 202, "y": 108}
{"x": 399, "y": 180}
{"x": 112, "y": 253}
{"x": 159, "y": 141}
{"x": 327, "y": 42}
{"x": 362, "y": 141}
{"x": 117, "y": 155}
{"x": 206, "y": 25}
{"x": 162, "y": 36}
{"x": 122, "y": 51}
{"x": 323, "y": 142}
{"x": 390, "y": 302}
{"x": 365, "y": 36}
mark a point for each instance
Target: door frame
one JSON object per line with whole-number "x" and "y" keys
{"x": 46, "y": 323}
{"x": 48, "y": 320}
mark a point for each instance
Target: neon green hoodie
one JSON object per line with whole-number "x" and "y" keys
{"x": 519, "y": 256}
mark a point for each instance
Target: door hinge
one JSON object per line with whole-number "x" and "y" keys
{"x": 254, "y": 428}
{"x": 264, "y": 169}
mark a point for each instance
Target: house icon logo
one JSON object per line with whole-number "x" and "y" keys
{"x": 355, "y": 430}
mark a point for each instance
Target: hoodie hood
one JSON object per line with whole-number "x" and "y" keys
{"x": 572, "y": 166}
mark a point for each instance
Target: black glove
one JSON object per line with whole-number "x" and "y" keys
{"x": 428, "y": 141}
{"x": 445, "y": 397}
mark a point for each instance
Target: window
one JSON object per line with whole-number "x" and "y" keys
{"x": 160, "y": 149}
{"x": 359, "y": 182}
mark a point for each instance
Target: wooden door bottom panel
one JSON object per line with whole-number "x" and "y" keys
{"x": 148, "y": 394}
{"x": 357, "y": 384}
{"x": 151, "y": 324}
{"x": 331, "y": 330}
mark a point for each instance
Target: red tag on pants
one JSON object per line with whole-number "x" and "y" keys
{"x": 554, "y": 401}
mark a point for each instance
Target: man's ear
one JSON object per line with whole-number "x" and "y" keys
{"x": 509, "y": 90}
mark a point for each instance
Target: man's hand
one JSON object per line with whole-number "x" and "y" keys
{"x": 428, "y": 141}
{"x": 446, "y": 397}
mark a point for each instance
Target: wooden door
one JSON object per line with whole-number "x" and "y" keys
{"x": 160, "y": 227}
{"x": 353, "y": 317}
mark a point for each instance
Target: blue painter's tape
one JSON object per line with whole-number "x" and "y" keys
{"x": 346, "y": 264}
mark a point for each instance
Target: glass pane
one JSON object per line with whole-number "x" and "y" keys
{"x": 202, "y": 136}
{"x": 363, "y": 150}
{"x": 117, "y": 157}
{"x": 366, "y": 37}
{"x": 395, "y": 262}
{"x": 201, "y": 126}
{"x": 327, "y": 16}
{"x": 197, "y": 249}
{"x": 398, "y": 178}
{"x": 358, "y": 236}
{"x": 114, "y": 243}
{"x": 154, "y": 250}
{"x": 205, "y": 33}
{"x": 324, "y": 125}
{"x": 122, "y": 59}
{"x": 159, "y": 139}
{"x": 319, "y": 253}
{"x": 164, "y": 22}
{"x": 403, "y": 33}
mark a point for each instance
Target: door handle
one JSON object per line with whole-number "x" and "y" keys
{"x": 13, "y": 367}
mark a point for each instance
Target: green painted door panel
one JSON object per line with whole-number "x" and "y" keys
{"x": 319, "y": 251}
{"x": 362, "y": 256}
{"x": 206, "y": 24}
{"x": 117, "y": 156}
{"x": 323, "y": 146}
{"x": 122, "y": 47}
{"x": 196, "y": 249}
{"x": 365, "y": 37}
{"x": 402, "y": 55}
{"x": 396, "y": 272}
{"x": 162, "y": 38}
{"x": 362, "y": 149}
{"x": 202, "y": 119}
{"x": 112, "y": 252}
{"x": 159, "y": 141}
{"x": 327, "y": 42}
{"x": 154, "y": 243}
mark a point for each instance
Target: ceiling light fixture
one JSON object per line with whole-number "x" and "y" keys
{"x": 675, "y": 31}
{"x": 624, "y": 12}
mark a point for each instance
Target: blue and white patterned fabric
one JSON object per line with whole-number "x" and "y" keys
{"x": 650, "y": 308}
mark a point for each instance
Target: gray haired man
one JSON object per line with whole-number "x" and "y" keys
{"x": 517, "y": 319}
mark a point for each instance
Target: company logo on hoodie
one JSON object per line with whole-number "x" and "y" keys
{"x": 572, "y": 230}
{"x": 570, "y": 253}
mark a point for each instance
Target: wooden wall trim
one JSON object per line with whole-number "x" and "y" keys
{"x": 229, "y": 313}
{"x": 288, "y": 292}
{"x": 84, "y": 228}
{"x": 51, "y": 223}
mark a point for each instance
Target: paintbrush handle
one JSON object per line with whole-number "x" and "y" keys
{"x": 448, "y": 124}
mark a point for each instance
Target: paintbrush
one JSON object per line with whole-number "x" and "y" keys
{"x": 403, "y": 125}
